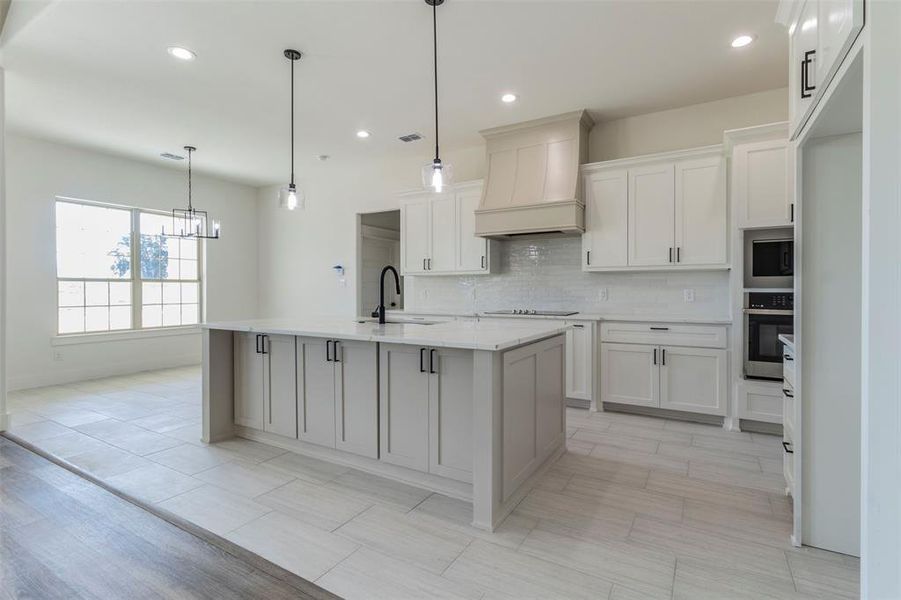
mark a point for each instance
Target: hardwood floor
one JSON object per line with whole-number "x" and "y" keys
{"x": 63, "y": 537}
{"x": 638, "y": 507}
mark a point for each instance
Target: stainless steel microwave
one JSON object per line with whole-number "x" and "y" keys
{"x": 769, "y": 259}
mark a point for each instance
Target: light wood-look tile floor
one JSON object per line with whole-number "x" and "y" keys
{"x": 638, "y": 507}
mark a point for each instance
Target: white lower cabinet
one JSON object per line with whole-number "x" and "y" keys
{"x": 693, "y": 379}
{"x": 629, "y": 374}
{"x": 668, "y": 376}
{"x": 426, "y": 409}
{"x": 266, "y": 383}
{"x": 337, "y": 400}
{"x": 580, "y": 344}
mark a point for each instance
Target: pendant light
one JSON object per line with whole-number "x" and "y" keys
{"x": 436, "y": 175}
{"x": 288, "y": 197}
{"x": 191, "y": 223}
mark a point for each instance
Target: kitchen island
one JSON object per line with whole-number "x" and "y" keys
{"x": 473, "y": 410}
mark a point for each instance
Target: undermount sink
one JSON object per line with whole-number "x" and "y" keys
{"x": 396, "y": 322}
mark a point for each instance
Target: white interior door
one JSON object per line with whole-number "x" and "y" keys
{"x": 316, "y": 393}
{"x": 605, "y": 241}
{"x": 280, "y": 375}
{"x": 472, "y": 252}
{"x": 701, "y": 211}
{"x": 443, "y": 255}
{"x": 404, "y": 405}
{"x": 693, "y": 379}
{"x": 357, "y": 398}
{"x": 415, "y": 229}
{"x": 651, "y": 215}
{"x": 629, "y": 374}
{"x": 248, "y": 381}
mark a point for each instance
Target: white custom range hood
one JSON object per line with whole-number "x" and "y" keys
{"x": 533, "y": 183}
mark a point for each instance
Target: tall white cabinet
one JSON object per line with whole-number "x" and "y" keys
{"x": 438, "y": 233}
{"x": 660, "y": 212}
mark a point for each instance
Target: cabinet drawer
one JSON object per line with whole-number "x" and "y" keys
{"x": 697, "y": 336}
{"x": 788, "y": 366}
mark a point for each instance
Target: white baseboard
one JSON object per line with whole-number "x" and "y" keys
{"x": 62, "y": 376}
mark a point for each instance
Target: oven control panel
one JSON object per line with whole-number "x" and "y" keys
{"x": 773, "y": 301}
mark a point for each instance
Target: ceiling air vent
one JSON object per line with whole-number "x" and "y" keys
{"x": 410, "y": 137}
{"x": 170, "y": 156}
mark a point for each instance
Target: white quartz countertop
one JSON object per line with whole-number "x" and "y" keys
{"x": 470, "y": 335}
{"x": 400, "y": 314}
{"x": 788, "y": 340}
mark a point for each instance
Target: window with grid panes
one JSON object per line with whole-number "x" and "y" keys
{"x": 115, "y": 271}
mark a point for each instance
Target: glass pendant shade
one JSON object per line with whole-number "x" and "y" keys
{"x": 437, "y": 176}
{"x": 290, "y": 198}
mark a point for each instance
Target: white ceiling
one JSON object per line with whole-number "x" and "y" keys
{"x": 97, "y": 73}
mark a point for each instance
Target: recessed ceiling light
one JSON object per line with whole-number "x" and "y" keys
{"x": 181, "y": 53}
{"x": 508, "y": 98}
{"x": 362, "y": 134}
{"x": 742, "y": 41}
{"x": 170, "y": 156}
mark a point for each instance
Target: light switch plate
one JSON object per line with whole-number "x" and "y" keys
{"x": 688, "y": 295}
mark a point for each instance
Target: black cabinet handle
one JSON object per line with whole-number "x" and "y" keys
{"x": 670, "y": 255}
{"x": 257, "y": 346}
{"x": 659, "y": 328}
{"x": 588, "y": 257}
{"x": 423, "y": 264}
{"x": 263, "y": 339}
{"x": 655, "y": 356}
{"x": 483, "y": 261}
{"x": 785, "y": 446}
{"x": 663, "y": 356}
{"x": 421, "y": 367}
{"x": 432, "y": 361}
{"x": 792, "y": 208}
{"x": 328, "y": 349}
{"x": 335, "y": 351}
{"x": 429, "y": 262}
{"x": 787, "y": 357}
{"x": 787, "y": 393}
{"x": 678, "y": 253}
{"x": 577, "y": 326}
{"x": 806, "y": 88}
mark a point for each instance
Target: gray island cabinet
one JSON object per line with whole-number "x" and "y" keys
{"x": 473, "y": 410}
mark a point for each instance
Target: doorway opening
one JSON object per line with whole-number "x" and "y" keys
{"x": 378, "y": 245}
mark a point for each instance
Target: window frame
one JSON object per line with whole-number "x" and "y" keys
{"x": 134, "y": 280}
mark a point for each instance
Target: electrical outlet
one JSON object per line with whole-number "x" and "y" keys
{"x": 603, "y": 295}
{"x": 688, "y": 295}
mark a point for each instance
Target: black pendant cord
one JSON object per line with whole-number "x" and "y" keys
{"x": 292, "y": 123}
{"x": 190, "y": 206}
{"x": 435, "y": 64}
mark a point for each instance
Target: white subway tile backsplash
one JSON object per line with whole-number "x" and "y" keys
{"x": 545, "y": 272}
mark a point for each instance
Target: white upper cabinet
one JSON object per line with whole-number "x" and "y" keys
{"x": 762, "y": 184}
{"x": 416, "y": 228}
{"x": 651, "y": 216}
{"x": 605, "y": 242}
{"x": 473, "y": 251}
{"x": 820, "y": 34}
{"x": 667, "y": 211}
{"x": 701, "y": 222}
{"x": 438, "y": 233}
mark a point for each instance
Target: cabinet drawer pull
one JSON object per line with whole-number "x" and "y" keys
{"x": 785, "y": 446}
{"x": 335, "y": 351}
{"x": 421, "y": 367}
{"x": 432, "y": 361}
{"x": 257, "y": 345}
{"x": 787, "y": 357}
{"x": 670, "y": 255}
{"x": 328, "y": 350}
{"x": 263, "y": 339}
{"x": 588, "y": 257}
{"x": 659, "y": 328}
{"x": 787, "y": 393}
{"x": 678, "y": 253}
{"x": 577, "y": 326}
{"x": 423, "y": 264}
{"x": 483, "y": 261}
{"x": 655, "y": 356}
{"x": 663, "y": 356}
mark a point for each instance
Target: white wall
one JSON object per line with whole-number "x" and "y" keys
{"x": 298, "y": 250}
{"x": 685, "y": 127}
{"x": 881, "y": 344}
{"x": 4, "y": 418}
{"x": 37, "y": 172}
